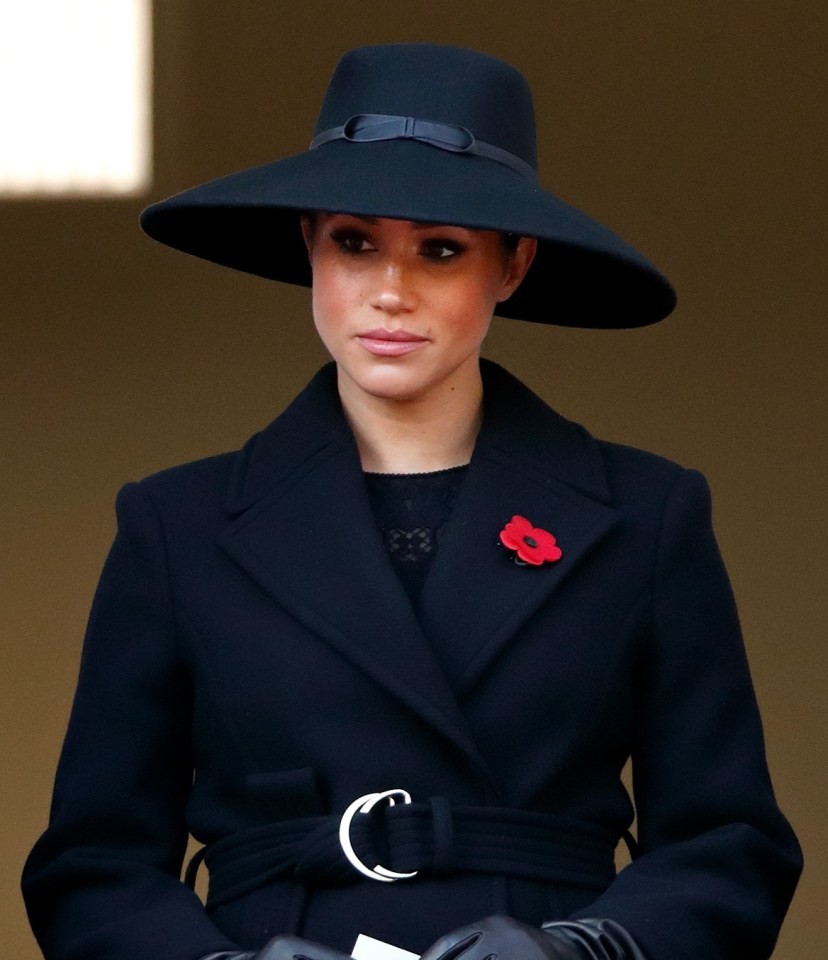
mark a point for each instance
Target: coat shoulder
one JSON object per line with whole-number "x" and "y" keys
{"x": 194, "y": 486}
{"x": 523, "y": 427}
{"x": 627, "y": 465}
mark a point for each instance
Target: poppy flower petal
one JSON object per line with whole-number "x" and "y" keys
{"x": 509, "y": 539}
{"x": 531, "y": 556}
{"x": 511, "y": 536}
{"x": 532, "y": 545}
{"x": 545, "y": 539}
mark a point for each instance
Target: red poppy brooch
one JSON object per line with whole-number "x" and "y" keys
{"x": 530, "y": 545}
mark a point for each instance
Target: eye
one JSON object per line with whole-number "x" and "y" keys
{"x": 351, "y": 240}
{"x": 436, "y": 248}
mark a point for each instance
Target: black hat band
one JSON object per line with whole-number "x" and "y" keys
{"x": 369, "y": 127}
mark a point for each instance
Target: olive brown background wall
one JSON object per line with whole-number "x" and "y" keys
{"x": 692, "y": 128}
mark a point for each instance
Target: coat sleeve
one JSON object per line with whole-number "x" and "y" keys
{"x": 718, "y": 862}
{"x": 103, "y": 880}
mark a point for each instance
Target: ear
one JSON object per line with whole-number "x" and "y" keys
{"x": 307, "y": 225}
{"x": 518, "y": 266}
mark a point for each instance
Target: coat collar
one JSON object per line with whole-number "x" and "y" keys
{"x": 518, "y": 427}
{"x": 303, "y": 528}
{"x": 528, "y": 460}
{"x": 311, "y": 425}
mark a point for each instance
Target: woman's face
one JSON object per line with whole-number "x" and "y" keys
{"x": 403, "y": 307}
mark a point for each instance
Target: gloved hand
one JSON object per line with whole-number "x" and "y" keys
{"x": 597, "y": 939}
{"x": 503, "y": 938}
{"x": 286, "y": 947}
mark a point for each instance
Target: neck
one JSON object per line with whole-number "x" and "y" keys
{"x": 414, "y": 435}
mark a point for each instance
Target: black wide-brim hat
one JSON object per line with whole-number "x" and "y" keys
{"x": 428, "y": 133}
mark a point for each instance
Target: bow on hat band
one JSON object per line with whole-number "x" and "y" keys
{"x": 370, "y": 127}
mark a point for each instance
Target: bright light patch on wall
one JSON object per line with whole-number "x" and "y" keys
{"x": 74, "y": 96}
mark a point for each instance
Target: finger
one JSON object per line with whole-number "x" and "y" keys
{"x": 288, "y": 947}
{"x": 454, "y": 945}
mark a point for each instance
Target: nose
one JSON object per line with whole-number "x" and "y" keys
{"x": 393, "y": 291}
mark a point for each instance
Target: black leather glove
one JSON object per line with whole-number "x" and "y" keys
{"x": 284, "y": 948}
{"x": 502, "y": 938}
{"x": 597, "y": 939}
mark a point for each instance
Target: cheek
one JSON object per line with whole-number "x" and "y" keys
{"x": 331, "y": 295}
{"x": 472, "y": 305}
{"x": 480, "y": 327}
{"x": 467, "y": 322}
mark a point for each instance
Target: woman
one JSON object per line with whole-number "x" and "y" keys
{"x": 388, "y": 661}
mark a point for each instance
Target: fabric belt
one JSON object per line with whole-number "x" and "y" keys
{"x": 434, "y": 838}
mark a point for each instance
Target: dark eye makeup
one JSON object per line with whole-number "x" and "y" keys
{"x": 354, "y": 240}
{"x": 439, "y": 248}
{"x": 351, "y": 239}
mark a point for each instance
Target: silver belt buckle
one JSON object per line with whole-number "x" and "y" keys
{"x": 364, "y": 805}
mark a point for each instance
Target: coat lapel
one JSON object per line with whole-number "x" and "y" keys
{"x": 529, "y": 461}
{"x": 305, "y": 532}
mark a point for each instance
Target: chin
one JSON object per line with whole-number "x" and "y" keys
{"x": 390, "y": 382}
{"x": 394, "y": 388}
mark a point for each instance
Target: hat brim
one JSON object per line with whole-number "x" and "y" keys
{"x": 584, "y": 275}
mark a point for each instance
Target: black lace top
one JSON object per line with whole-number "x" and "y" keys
{"x": 410, "y": 508}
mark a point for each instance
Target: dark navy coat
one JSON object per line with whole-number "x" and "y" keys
{"x": 252, "y": 659}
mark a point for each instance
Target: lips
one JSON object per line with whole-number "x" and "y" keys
{"x": 390, "y": 343}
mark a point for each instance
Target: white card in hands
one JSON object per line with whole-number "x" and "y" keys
{"x": 367, "y": 948}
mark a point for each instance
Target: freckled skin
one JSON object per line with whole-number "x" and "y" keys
{"x": 429, "y": 290}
